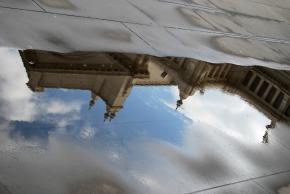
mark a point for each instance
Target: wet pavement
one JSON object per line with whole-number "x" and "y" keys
{"x": 104, "y": 122}
{"x": 161, "y": 97}
{"x": 241, "y": 32}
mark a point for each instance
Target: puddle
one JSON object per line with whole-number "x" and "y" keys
{"x": 103, "y": 122}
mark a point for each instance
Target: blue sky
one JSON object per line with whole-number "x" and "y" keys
{"x": 53, "y": 139}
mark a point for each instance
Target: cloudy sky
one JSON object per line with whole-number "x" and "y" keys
{"x": 51, "y": 143}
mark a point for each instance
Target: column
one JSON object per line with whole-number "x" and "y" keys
{"x": 285, "y": 103}
{"x": 251, "y": 80}
{"x": 216, "y": 71}
{"x": 221, "y": 71}
{"x": 227, "y": 71}
{"x": 211, "y": 71}
{"x": 267, "y": 91}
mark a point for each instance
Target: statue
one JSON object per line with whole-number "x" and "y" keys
{"x": 266, "y": 137}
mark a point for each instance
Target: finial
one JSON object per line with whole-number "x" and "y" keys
{"x": 92, "y": 103}
{"x": 106, "y": 116}
{"x": 93, "y": 100}
{"x": 178, "y": 104}
{"x": 112, "y": 116}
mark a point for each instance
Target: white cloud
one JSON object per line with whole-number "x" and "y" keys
{"x": 65, "y": 121}
{"x": 207, "y": 152}
{"x": 146, "y": 180}
{"x": 87, "y": 132}
{"x": 55, "y": 106}
{"x": 18, "y": 101}
{"x": 228, "y": 113}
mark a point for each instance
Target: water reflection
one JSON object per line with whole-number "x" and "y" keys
{"x": 53, "y": 139}
{"x": 112, "y": 76}
{"x": 266, "y": 137}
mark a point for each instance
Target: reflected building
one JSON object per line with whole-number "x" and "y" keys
{"x": 111, "y": 76}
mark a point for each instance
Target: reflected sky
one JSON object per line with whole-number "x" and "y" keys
{"x": 51, "y": 142}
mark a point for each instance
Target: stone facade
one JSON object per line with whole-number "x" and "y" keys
{"x": 112, "y": 76}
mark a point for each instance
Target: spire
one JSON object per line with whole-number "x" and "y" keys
{"x": 92, "y": 103}
{"x": 112, "y": 116}
{"x": 178, "y": 104}
{"x": 93, "y": 99}
{"x": 184, "y": 92}
{"x": 106, "y": 116}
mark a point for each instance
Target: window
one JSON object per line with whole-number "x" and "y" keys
{"x": 271, "y": 94}
{"x": 223, "y": 72}
{"x": 211, "y": 71}
{"x": 247, "y": 78}
{"x": 278, "y": 100}
{"x": 184, "y": 66}
{"x": 255, "y": 83}
{"x": 287, "y": 113}
{"x": 263, "y": 88}
{"x": 216, "y": 73}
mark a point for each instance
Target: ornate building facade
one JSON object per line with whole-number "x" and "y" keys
{"x": 112, "y": 76}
